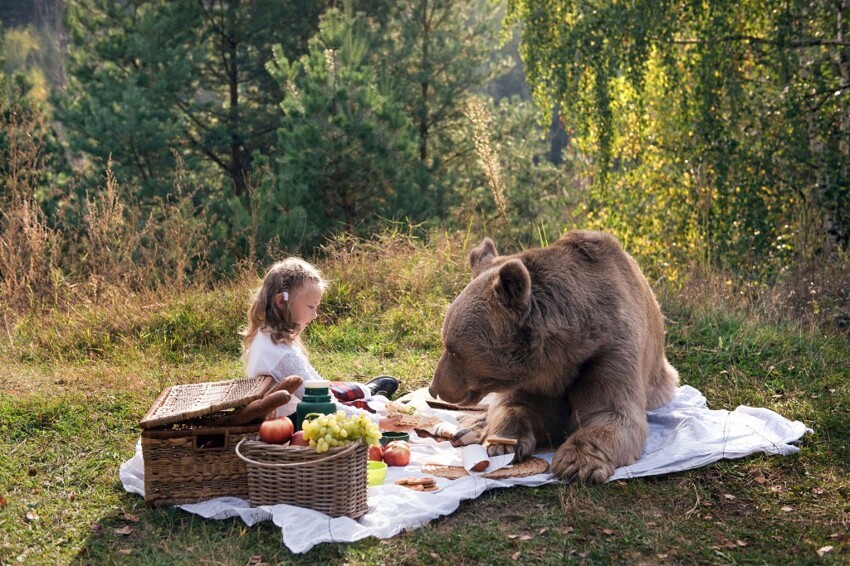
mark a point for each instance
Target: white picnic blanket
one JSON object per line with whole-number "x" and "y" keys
{"x": 684, "y": 434}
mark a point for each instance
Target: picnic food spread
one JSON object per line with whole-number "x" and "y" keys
{"x": 407, "y": 415}
{"x": 208, "y": 440}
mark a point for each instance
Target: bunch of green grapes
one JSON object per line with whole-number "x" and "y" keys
{"x": 338, "y": 429}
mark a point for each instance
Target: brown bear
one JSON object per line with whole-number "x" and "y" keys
{"x": 571, "y": 339}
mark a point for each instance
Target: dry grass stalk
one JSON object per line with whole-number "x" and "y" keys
{"x": 110, "y": 239}
{"x": 28, "y": 246}
{"x": 487, "y": 156}
{"x": 175, "y": 239}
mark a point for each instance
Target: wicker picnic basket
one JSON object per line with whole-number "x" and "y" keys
{"x": 189, "y": 455}
{"x": 333, "y": 482}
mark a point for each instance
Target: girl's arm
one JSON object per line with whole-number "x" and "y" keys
{"x": 291, "y": 363}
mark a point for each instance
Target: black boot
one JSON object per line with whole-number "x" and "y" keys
{"x": 383, "y": 385}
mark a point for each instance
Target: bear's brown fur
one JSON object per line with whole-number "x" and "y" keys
{"x": 571, "y": 339}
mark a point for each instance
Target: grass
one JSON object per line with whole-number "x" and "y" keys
{"x": 76, "y": 381}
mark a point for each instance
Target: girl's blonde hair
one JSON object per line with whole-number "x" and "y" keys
{"x": 287, "y": 275}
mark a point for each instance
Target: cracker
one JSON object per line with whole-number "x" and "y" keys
{"x": 413, "y": 480}
{"x": 416, "y": 421}
{"x": 425, "y": 483}
{"x": 500, "y": 440}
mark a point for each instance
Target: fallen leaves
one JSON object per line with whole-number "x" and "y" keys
{"x": 824, "y": 550}
{"x": 527, "y": 536}
{"x": 729, "y": 545}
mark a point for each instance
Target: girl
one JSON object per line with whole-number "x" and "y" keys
{"x": 284, "y": 305}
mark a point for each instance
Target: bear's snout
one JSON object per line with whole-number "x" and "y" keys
{"x": 452, "y": 384}
{"x": 447, "y": 384}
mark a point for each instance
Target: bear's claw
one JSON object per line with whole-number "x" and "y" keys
{"x": 499, "y": 449}
{"x": 581, "y": 461}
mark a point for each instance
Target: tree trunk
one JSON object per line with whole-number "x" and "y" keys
{"x": 236, "y": 168}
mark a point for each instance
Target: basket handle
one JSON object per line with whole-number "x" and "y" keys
{"x": 244, "y": 458}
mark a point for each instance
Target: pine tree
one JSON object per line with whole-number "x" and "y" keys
{"x": 345, "y": 144}
{"x": 151, "y": 76}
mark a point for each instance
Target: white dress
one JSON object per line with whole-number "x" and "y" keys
{"x": 281, "y": 360}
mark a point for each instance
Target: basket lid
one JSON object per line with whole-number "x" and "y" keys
{"x": 181, "y": 402}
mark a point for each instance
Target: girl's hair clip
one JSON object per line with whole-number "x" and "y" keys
{"x": 286, "y": 295}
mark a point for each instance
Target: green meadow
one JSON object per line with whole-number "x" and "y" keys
{"x": 77, "y": 380}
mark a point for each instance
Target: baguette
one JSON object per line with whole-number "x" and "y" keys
{"x": 289, "y": 383}
{"x": 258, "y": 409}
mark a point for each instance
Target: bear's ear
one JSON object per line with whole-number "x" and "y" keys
{"x": 512, "y": 285}
{"x": 481, "y": 255}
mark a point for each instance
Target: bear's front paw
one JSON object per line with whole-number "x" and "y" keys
{"x": 579, "y": 458}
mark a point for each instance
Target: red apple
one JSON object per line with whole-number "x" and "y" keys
{"x": 376, "y": 453}
{"x": 397, "y": 453}
{"x": 276, "y": 431}
{"x": 299, "y": 440}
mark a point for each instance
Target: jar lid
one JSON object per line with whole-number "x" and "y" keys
{"x": 316, "y": 384}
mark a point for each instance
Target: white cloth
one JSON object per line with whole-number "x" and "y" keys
{"x": 683, "y": 434}
{"x": 282, "y": 360}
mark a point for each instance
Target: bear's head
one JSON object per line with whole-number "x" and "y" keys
{"x": 481, "y": 350}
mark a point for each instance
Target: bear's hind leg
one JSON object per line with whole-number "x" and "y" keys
{"x": 662, "y": 386}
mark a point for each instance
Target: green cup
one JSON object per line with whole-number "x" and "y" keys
{"x": 387, "y": 437}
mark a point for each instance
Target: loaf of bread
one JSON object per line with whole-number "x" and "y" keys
{"x": 256, "y": 410}
{"x": 289, "y": 383}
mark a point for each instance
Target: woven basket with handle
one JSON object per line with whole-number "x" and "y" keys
{"x": 333, "y": 482}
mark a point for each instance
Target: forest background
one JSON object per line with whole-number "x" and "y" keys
{"x": 150, "y": 144}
